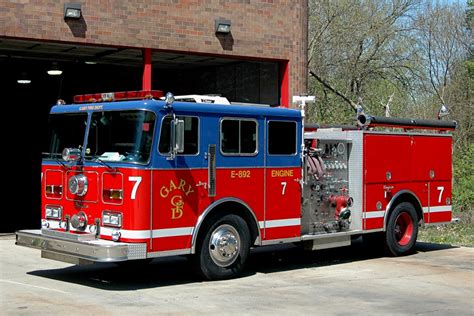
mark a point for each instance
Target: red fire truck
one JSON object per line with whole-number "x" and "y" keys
{"x": 141, "y": 178}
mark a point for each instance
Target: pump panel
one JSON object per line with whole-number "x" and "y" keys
{"x": 326, "y": 198}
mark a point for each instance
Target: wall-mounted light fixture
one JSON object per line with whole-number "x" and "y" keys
{"x": 223, "y": 26}
{"x": 54, "y": 70}
{"x": 24, "y": 78}
{"x": 72, "y": 11}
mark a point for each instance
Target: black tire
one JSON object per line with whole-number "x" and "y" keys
{"x": 402, "y": 230}
{"x": 228, "y": 260}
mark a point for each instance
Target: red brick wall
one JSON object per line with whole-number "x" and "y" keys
{"x": 261, "y": 29}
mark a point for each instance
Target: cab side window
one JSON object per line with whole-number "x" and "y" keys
{"x": 282, "y": 138}
{"x": 238, "y": 137}
{"x": 191, "y": 135}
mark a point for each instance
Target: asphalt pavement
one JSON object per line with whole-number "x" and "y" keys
{"x": 281, "y": 280}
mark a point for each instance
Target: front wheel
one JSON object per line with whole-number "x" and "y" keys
{"x": 402, "y": 230}
{"x": 223, "y": 251}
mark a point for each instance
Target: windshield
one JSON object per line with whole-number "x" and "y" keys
{"x": 65, "y": 131}
{"x": 121, "y": 136}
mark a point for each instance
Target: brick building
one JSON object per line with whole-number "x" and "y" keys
{"x": 169, "y": 45}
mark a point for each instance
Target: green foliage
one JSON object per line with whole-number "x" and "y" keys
{"x": 411, "y": 55}
{"x": 463, "y": 186}
{"x": 455, "y": 234}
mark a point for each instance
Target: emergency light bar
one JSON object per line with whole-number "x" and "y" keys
{"x": 118, "y": 96}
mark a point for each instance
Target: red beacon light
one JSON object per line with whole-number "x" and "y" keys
{"x": 118, "y": 96}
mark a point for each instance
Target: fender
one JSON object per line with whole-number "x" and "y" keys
{"x": 394, "y": 199}
{"x": 203, "y": 216}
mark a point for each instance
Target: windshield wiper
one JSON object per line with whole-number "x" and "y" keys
{"x": 59, "y": 161}
{"x": 97, "y": 159}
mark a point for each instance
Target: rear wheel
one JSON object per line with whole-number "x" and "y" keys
{"x": 402, "y": 230}
{"x": 223, "y": 250}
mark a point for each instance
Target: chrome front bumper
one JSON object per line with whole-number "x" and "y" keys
{"x": 79, "y": 249}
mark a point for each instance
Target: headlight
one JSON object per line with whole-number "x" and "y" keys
{"x": 78, "y": 184}
{"x": 110, "y": 218}
{"x": 53, "y": 212}
{"x": 79, "y": 221}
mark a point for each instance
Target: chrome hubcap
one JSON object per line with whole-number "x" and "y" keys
{"x": 224, "y": 245}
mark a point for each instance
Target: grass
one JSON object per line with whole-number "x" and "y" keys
{"x": 459, "y": 234}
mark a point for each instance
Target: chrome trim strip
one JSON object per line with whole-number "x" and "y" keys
{"x": 280, "y": 223}
{"x": 376, "y": 214}
{"x": 329, "y": 235}
{"x": 437, "y": 209}
{"x": 280, "y": 241}
{"x": 66, "y": 235}
{"x": 201, "y": 218}
{"x": 172, "y": 232}
{"x": 159, "y": 254}
{"x": 145, "y": 234}
{"x": 373, "y": 230}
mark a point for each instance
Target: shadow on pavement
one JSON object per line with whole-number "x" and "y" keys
{"x": 172, "y": 271}
{"x": 427, "y": 247}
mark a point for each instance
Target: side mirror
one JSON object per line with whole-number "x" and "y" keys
{"x": 178, "y": 145}
{"x": 71, "y": 154}
{"x": 177, "y": 138}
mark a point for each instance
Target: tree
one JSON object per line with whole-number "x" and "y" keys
{"x": 443, "y": 43}
{"x": 357, "y": 45}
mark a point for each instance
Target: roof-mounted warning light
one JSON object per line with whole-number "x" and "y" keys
{"x": 118, "y": 96}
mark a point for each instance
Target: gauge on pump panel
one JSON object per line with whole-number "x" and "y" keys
{"x": 334, "y": 150}
{"x": 341, "y": 148}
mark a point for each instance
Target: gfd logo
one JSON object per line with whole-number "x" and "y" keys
{"x": 177, "y": 207}
{"x": 177, "y": 202}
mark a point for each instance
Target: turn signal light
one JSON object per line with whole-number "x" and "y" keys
{"x": 53, "y": 212}
{"x": 110, "y": 218}
{"x": 54, "y": 189}
{"x": 113, "y": 194}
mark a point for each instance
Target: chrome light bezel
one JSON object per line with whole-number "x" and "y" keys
{"x": 112, "y": 218}
{"x": 78, "y": 184}
{"x": 116, "y": 235}
{"x": 53, "y": 212}
{"x": 79, "y": 221}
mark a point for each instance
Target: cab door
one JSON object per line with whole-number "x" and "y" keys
{"x": 282, "y": 179}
